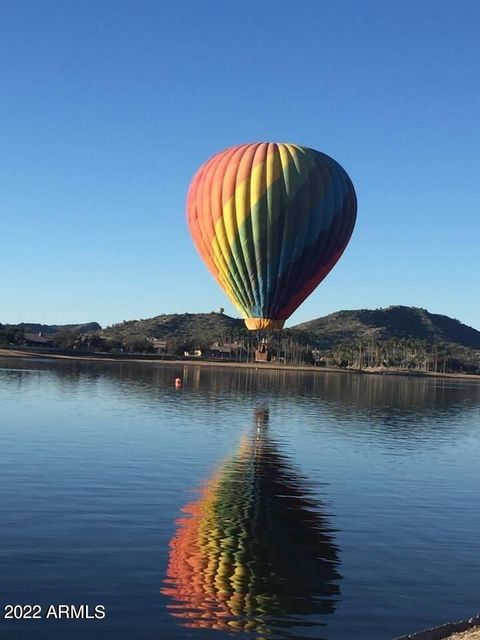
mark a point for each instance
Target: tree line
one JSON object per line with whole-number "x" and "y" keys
{"x": 287, "y": 347}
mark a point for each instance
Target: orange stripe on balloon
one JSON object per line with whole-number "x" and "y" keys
{"x": 195, "y": 224}
{"x": 200, "y": 202}
{"x": 242, "y": 170}
{"x": 211, "y": 204}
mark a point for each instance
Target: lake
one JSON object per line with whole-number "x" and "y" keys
{"x": 248, "y": 504}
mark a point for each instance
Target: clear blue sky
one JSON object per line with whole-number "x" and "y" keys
{"x": 108, "y": 107}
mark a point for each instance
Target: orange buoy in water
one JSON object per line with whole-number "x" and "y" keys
{"x": 178, "y": 383}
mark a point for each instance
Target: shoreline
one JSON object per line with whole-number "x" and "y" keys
{"x": 463, "y": 630}
{"x": 21, "y": 353}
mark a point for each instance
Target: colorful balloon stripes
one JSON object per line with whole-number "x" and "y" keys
{"x": 252, "y": 548}
{"x": 270, "y": 221}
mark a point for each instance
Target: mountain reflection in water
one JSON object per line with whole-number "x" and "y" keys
{"x": 253, "y": 551}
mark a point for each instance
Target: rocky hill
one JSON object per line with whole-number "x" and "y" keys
{"x": 189, "y": 327}
{"x": 341, "y": 327}
{"x": 193, "y": 330}
{"x": 51, "y": 329}
{"x": 386, "y": 324}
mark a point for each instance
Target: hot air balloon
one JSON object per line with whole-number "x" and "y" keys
{"x": 253, "y": 549}
{"x": 270, "y": 221}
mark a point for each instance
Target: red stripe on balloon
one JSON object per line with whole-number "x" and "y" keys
{"x": 311, "y": 284}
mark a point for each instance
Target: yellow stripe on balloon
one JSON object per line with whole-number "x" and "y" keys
{"x": 238, "y": 208}
{"x": 225, "y": 277}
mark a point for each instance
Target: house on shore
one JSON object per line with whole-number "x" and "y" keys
{"x": 38, "y": 339}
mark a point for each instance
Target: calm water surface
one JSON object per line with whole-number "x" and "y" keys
{"x": 249, "y": 504}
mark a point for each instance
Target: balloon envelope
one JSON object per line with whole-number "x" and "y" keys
{"x": 270, "y": 221}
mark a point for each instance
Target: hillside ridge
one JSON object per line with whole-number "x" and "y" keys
{"x": 395, "y": 322}
{"x": 191, "y": 329}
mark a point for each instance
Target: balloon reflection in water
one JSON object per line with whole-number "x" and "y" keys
{"x": 253, "y": 547}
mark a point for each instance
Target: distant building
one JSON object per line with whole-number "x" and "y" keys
{"x": 225, "y": 350}
{"x": 159, "y": 345}
{"x": 196, "y": 353}
{"x": 37, "y": 339}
